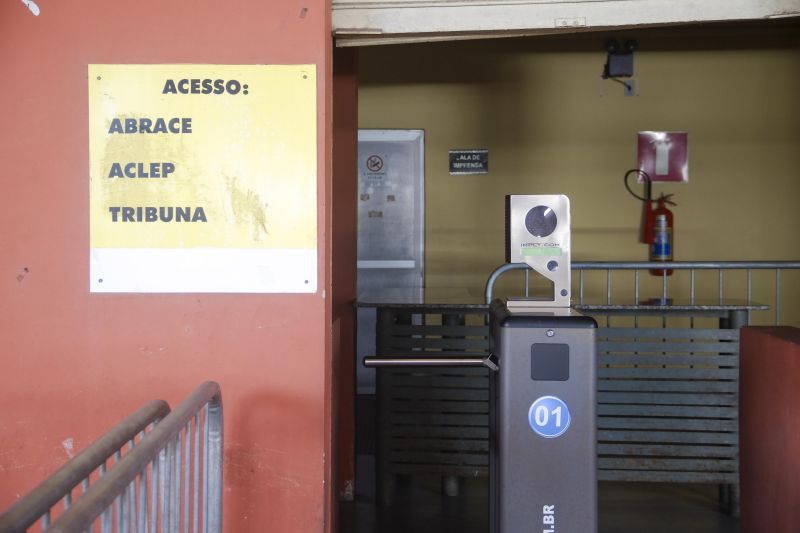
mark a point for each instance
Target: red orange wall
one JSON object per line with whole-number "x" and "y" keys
{"x": 73, "y": 363}
{"x": 769, "y": 429}
{"x": 343, "y": 252}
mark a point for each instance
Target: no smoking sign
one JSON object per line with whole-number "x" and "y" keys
{"x": 374, "y": 163}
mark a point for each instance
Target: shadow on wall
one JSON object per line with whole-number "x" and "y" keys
{"x": 265, "y": 471}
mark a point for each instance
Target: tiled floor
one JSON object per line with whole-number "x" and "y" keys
{"x": 419, "y": 507}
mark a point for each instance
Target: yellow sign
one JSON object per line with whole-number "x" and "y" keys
{"x": 212, "y": 165}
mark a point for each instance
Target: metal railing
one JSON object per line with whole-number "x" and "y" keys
{"x": 170, "y": 481}
{"x": 671, "y": 286}
{"x": 42, "y": 503}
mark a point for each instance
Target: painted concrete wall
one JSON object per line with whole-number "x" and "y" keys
{"x": 73, "y": 363}
{"x": 552, "y": 125}
{"x": 343, "y": 260}
{"x": 769, "y": 429}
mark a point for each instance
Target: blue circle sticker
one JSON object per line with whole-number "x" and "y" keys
{"x": 549, "y": 417}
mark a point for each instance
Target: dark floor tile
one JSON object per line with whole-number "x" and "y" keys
{"x": 420, "y": 507}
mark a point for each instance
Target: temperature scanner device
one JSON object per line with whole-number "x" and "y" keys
{"x": 542, "y": 393}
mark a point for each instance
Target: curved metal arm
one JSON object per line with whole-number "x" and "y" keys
{"x": 489, "y": 361}
{"x": 499, "y": 271}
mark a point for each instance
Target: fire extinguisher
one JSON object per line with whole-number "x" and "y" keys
{"x": 663, "y": 240}
{"x": 657, "y": 224}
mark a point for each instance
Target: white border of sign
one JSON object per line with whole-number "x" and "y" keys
{"x": 173, "y": 270}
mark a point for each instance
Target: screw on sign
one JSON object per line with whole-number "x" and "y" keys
{"x": 374, "y": 163}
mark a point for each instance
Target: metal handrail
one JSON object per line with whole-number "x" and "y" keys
{"x": 117, "y": 481}
{"x": 38, "y": 502}
{"x": 683, "y": 265}
{"x": 610, "y": 266}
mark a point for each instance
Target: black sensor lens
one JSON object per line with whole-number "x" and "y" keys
{"x": 541, "y": 221}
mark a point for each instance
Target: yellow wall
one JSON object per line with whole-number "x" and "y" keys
{"x": 552, "y": 125}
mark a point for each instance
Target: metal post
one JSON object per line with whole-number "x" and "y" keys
{"x": 154, "y": 484}
{"x": 749, "y": 285}
{"x": 141, "y": 518}
{"x": 195, "y": 503}
{"x": 119, "y": 500}
{"x": 778, "y": 297}
{"x": 187, "y": 469}
{"x": 737, "y": 319}
{"x": 691, "y": 297}
{"x": 176, "y": 488}
{"x": 214, "y": 472}
{"x": 206, "y": 454}
{"x": 527, "y": 281}
{"x": 636, "y": 298}
{"x": 163, "y": 485}
{"x": 608, "y": 295}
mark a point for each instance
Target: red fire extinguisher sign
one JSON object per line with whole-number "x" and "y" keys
{"x": 664, "y": 155}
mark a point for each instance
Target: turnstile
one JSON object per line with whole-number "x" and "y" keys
{"x": 542, "y": 455}
{"x": 542, "y": 451}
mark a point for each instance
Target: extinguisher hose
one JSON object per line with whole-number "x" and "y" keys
{"x": 648, "y": 194}
{"x": 648, "y": 197}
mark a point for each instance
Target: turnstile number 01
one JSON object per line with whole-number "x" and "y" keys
{"x": 542, "y": 449}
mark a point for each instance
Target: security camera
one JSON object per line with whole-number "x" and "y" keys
{"x": 620, "y": 59}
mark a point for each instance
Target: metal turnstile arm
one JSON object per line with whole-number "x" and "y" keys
{"x": 489, "y": 361}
